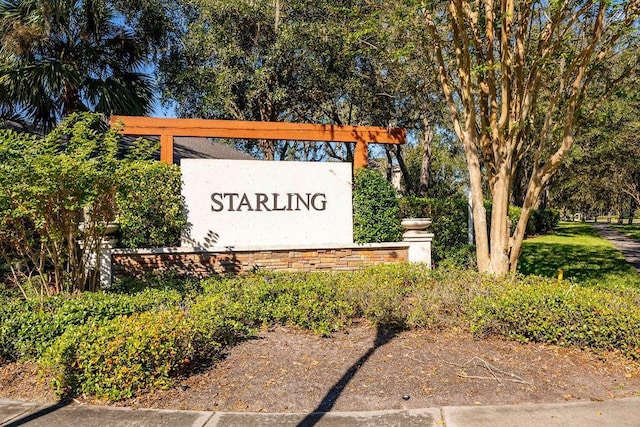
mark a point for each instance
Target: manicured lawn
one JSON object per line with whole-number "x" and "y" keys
{"x": 632, "y": 231}
{"x": 581, "y": 253}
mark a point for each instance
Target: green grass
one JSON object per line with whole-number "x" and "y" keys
{"x": 578, "y": 250}
{"x": 632, "y": 231}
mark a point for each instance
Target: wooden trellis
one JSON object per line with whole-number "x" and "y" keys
{"x": 168, "y": 128}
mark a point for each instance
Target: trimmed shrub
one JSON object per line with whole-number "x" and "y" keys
{"x": 378, "y": 293}
{"x": 307, "y": 300}
{"x": 113, "y": 346}
{"x": 28, "y": 327}
{"x": 541, "y": 221}
{"x": 117, "y": 359}
{"x": 561, "y": 314}
{"x": 45, "y": 186}
{"x": 545, "y": 220}
{"x": 375, "y": 209}
{"x": 150, "y": 205}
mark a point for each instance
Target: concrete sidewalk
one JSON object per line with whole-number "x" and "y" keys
{"x": 619, "y": 413}
{"x": 630, "y": 248}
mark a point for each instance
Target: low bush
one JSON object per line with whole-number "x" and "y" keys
{"x": 28, "y": 327}
{"x": 443, "y": 298}
{"x": 561, "y": 314}
{"x": 378, "y": 293}
{"x": 113, "y": 345}
{"x": 307, "y": 300}
{"x": 117, "y": 359}
{"x": 545, "y": 220}
{"x": 541, "y": 221}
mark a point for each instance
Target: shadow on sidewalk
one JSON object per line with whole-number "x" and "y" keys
{"x": 39, "y": 413}
{"x": 383, "y": 336}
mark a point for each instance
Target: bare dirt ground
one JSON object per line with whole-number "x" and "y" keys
{"x": 286, "y": 370}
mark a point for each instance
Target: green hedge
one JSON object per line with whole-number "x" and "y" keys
{"x": 28, "y": 327}
{"x": 375, "y": 209}
{"x": 119, "y": 358}
{"x": 561, "y": 314}
{"x": 541, "y": 221}
{"x": 115, "y": 345}
{"x": 149, "y": 204}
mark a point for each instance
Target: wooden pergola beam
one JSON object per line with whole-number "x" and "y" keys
{"x": 167, "y": 128}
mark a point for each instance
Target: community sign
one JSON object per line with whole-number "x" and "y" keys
{"x": 254, "y": 203}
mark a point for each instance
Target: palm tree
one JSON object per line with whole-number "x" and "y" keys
{"x": 61, "y": 56}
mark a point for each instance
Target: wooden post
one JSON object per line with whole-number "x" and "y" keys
{"x": 361, "y": 155}
{"x": 166, "y": 148}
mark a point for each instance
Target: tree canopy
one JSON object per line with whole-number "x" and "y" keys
{"x": 305, "y": 61}
{"x": 602, "y": 175}
{"x": 57, "y": 57}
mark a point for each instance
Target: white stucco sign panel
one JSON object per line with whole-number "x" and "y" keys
{"x": 265, "y": 203}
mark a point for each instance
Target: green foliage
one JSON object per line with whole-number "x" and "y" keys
{"x": 114, "y": 345}
{"x": 450, "y": 227}
{"x": 448, "y": 173}
{"x": 561, "y": 314}
{"x": 61, "y": 57}
{"x": 514, "y": 214}
{"x": 117, "y": 359}
{"x": 45, "y": 186}
{"x": 58, "y": 192}
{"x": 307, "y": 300}
{"x": 375, "y": 209}
{"x": 602, "y": 173}
{"x": 415, "y": 207}
{"x": 149, "y": 204}
{"x": 164, "y": 281}
{"x": 379, "y": 293}
{"x": 541, "y": 221}
{"x": 304, "y": 61}
{"x": 31, "y": 326}
{"x": 545, "y": 220}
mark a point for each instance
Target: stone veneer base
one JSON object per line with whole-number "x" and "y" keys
{"x": 200, "y": 262}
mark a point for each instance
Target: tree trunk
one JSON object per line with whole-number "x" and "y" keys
{"x": 268, "y": 148}
{"x": 620, "y": 212}
{"x": 500, "y": 233}
{"x": 405, "y": 172}
{"x": 389, "y": 169}
{"x": 425, "y": 167}
{"x": 477, "y": 205}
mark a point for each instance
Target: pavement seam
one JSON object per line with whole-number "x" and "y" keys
{"x": 213, "y": 420}
{"x": 444, "y": 422}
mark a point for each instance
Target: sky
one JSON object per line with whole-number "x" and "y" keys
{"x": 162, "y": 111}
